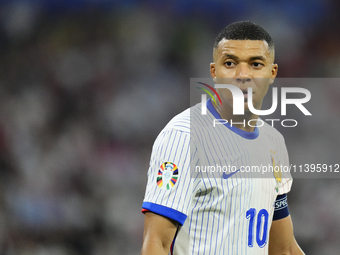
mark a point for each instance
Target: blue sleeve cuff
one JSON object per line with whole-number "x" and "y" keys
{"x": 281, "y": 207}
{"x": 165, "y": 211}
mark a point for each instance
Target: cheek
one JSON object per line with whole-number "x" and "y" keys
{"x": 225, "y": 72}
{"x": 262, "y": 85}
{"x": 265, "y": 72}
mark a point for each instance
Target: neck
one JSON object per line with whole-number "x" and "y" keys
{"x": 238, "y": 121}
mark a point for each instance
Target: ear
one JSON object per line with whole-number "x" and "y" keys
{"x": 213, "y": 71}
{"x": 274, "y": 73}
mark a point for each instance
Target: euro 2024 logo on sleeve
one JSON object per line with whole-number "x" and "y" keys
{"x": 167, "y": 175}
{"x": 238, "y": 103}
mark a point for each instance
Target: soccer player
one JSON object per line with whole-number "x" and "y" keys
{"x": 227, "y": 213}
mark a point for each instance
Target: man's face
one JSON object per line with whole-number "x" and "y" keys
{"x": 243, "y": 63}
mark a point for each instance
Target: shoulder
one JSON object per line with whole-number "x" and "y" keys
{"x": 183, "y": 121}
{"x": 178, "y": 128}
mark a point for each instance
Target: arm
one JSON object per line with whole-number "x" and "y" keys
{"x": 159, "y": 233}
{"x": 281, "y": 238}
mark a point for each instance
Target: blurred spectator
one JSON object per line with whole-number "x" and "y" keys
{"x": 86, "y": 86}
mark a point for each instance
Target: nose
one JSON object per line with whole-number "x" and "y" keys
{"x": 243, "y": 73}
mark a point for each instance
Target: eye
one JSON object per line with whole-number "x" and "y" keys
{"x": 257, "y": 65}
{"x": 229, "y": 64}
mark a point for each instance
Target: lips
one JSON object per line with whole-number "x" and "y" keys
{"x": 245, "y": 94}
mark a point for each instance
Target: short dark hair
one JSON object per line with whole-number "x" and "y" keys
{"x": 244, "y": 30}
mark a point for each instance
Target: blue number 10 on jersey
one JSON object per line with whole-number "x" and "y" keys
{"x": 261, "y": 227}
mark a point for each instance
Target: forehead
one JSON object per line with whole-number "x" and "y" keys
{"x": 243, "y": 48}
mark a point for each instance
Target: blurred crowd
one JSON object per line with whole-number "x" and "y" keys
{"x": 85, "y": 89}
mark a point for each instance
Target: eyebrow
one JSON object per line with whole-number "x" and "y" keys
{"x": 258, "y": 58}
{"x": 237, "y": 58}
{"x": 230, "y": 56}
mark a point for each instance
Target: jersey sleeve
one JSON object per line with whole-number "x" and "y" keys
{"x": 170, "y": 188}
{"x": 281, "y": 207}
{"x": 286, "y": 180}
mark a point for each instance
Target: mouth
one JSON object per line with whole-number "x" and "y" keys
{"x": 245, "y": 94}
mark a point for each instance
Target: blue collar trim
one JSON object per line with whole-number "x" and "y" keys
{"x": 244, "y": 134}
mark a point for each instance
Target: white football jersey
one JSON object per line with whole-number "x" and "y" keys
{"x": 219, "y": 211}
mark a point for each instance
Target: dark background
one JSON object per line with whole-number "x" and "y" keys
{"x": 86, "y": 86}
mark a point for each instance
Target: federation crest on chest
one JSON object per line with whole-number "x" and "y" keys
{"x": 277, "y": 171}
